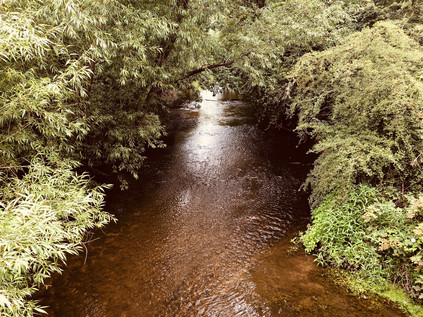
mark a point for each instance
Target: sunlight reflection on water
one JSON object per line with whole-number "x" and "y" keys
{"x": 190, "y": 237}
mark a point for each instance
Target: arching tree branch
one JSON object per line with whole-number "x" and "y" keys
{"x": 208, "y": 67}
{"x": 212, "y": 66}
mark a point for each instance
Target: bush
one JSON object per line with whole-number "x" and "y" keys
{"x": 43, "y": 217}
{"x": 362, "y": 102}
{"x": 372, "y": 236}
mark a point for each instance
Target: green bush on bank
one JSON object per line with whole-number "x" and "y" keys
{"x": 362, "y": 103}
{"x": 43, "y": 217}
{"x": 370, "y": 235}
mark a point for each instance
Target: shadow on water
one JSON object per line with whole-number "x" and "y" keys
{"x": 205, "y": 233}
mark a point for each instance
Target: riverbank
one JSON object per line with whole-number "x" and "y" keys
{"x": 296, "y": 286}
{"x": 204, "y": 232}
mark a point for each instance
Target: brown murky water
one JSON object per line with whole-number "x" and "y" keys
{"x": 205, "y": 233}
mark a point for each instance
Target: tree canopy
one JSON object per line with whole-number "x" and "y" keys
{"x": 82, "y": 85}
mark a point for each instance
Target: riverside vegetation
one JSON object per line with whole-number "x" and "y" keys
{"x": 82, "y": 85}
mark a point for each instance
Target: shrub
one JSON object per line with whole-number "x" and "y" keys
{"x": 43, "y": 217}
{"x": 362, "y": 102}
{"x": 372, "y": 236}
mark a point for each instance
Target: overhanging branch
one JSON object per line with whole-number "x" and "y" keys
{"x": 212, "y": 66}
{"x": 208, "y": 67}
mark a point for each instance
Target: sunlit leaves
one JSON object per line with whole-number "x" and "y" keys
{"x": 267, "y": 41}
{"x": 362, "y": 101}
{"x": 81, "y": 82}
{"x": 43, "y": 217}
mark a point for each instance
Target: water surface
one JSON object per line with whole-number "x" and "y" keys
{"x": 205, "y": 232}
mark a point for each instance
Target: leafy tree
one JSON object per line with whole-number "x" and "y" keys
{"x": 44, "y": 216}
{"x": 267, "y": 42}
{"x": 80, "y": 82}
{"x": 362, "y": 101}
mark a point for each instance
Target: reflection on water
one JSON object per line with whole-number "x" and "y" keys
{"x": 197, "y": 235}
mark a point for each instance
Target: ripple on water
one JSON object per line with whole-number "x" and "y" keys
{"x": 195, "y": 239}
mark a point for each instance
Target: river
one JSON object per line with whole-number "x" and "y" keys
{"x": 206, "y": 232}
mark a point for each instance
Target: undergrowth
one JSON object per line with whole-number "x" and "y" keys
{"x": 379, "y": 237}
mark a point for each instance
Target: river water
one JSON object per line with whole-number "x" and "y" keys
{"x": 206, "y": 232}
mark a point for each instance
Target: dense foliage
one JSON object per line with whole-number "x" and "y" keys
{"x": 347, "y": 76}
{"x": 361, "y": 102}
{"x": 284, "y": 31}
{"x": 82, "y": 85}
